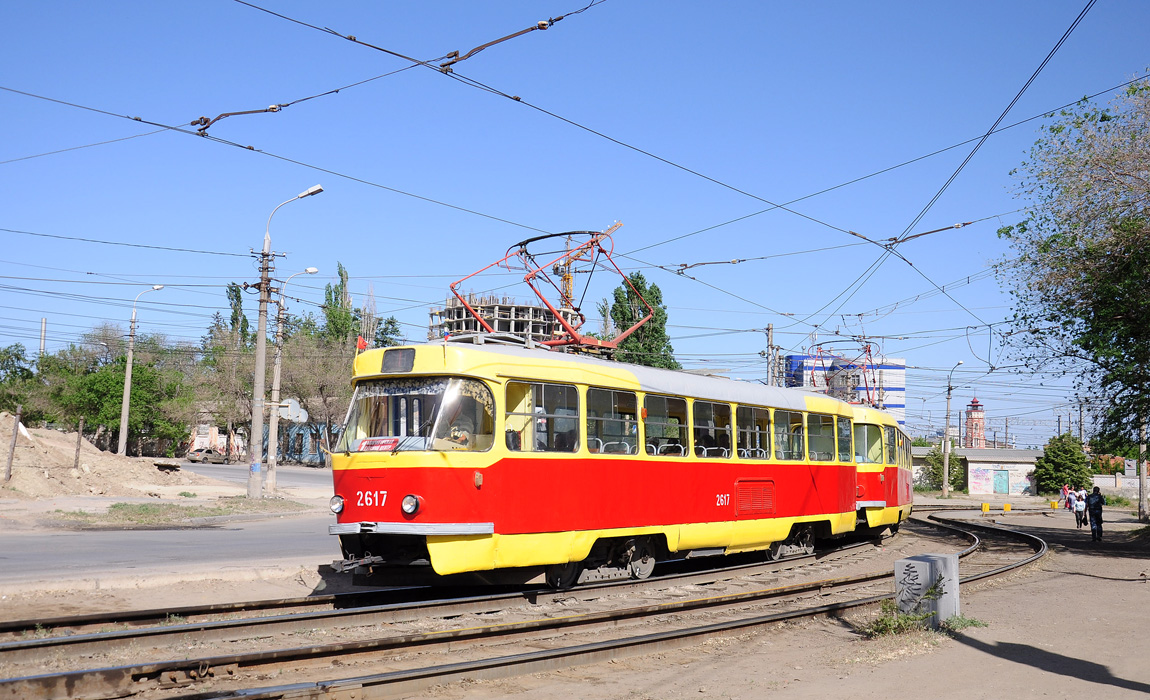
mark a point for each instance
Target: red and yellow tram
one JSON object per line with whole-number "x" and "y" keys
{"x": 506, "y": 463}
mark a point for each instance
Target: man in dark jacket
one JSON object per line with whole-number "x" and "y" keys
{"x": 1094, "y": 503}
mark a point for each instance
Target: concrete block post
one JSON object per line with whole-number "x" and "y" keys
{"x": 928, "y": 583}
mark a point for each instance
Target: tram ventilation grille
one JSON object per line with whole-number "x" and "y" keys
{"x": 755, "y": 497}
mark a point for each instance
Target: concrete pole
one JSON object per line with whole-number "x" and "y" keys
{"x": 1142, "y": 515}
{"x": 122, "y": 447}
{"x": 79, "y": 440}
{"x": 771, "y": 354}
{"x": 122, "y": 444}
{"x": 946, "y": 436}
{"x": 12, "y": 446}
{"x": 256, "y": 439}
{"x": 274, "y": 416}
{"x": 257, "y": 436}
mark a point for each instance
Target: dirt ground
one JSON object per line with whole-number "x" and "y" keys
{"x": 44, "y": 466}
{"x": 1074, "y": 625}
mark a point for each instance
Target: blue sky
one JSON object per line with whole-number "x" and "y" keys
{"x": 428, "y": 179}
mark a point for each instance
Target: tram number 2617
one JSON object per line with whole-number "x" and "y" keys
{"x": 723, "y": 499}
{"x": 370, "y": 498}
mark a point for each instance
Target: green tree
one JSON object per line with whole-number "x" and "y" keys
{"x": 239, "y": 321}
{"x": 1064, "y": 462}
{"x": 341, "y": 323}
{"x": 1079, "y": 280}
{"x": 920, "y": 441}
{"x": 388, "y": 334}
{"x": 15, "y": 375}
{"x": 930, "y": 476}
{"x": 649, "y": 344}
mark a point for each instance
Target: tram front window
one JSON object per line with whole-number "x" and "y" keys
{"x": 427, "y": 413}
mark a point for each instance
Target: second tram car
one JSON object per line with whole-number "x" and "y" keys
{"x": 503, "y": 464}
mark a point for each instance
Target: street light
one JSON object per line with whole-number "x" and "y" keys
{"x": 946, "y": 437}
{"x": 257, "y": 434}
{"x": 274, "y": 417}
{"x": 122, "y": 448}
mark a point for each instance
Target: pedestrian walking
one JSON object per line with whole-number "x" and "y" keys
{"x": 1071, "y": 500}
{"x": 1080, "y": 508}
{"x": 1065, "y": 492}
{"x": 1094, "y": 503}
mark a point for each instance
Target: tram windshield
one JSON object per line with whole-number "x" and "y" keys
{"x": 420, "y": 414}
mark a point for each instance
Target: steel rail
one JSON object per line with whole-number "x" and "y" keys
{"x": 112, "y": 682}
{"x": 160, "y": 615}
{"x": 116, "y": 681}
{"x": 386, "y": 685}
{"x": 218, "y": 630}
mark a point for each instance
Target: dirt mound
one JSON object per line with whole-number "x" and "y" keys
{"x": 44, "y": 466}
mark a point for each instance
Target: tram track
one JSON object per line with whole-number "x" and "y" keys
{"x": 61, "y": 636}
{"x": 571, "y": 636}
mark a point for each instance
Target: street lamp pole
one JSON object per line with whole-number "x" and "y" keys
{"x": 946, "y": 436}
{"x": 274, "y": 416}
{"x": 256, "y": 439}
{"x": 122, "y": 446}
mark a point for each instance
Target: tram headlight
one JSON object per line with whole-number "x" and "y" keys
{"x": 336, "y": 504}
{"x": 410, "y": 504}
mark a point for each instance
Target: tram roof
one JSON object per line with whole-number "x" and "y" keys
{"x": 675, "y": 382}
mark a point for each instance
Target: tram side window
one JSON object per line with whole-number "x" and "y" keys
{"x": 903, "y": 449}
{"x": 542, "y": 417}
{"x": 891, "y": 444}
{"x": 754, "y": 425}
{"x": 788, "y": 435}
{"x": 844, "y": 439}
{"x": 821, "y": 437}
{"x": 868, "y": 444}
{"x": 665, "y": 425}
{"x": 611, "y": 424}
{"x": 712, "y": 429}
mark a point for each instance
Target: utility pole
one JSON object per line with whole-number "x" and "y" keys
{"x": 946, "y": 436}
{"x": 1081, "y": 437}
{"x": 273, "y": 417}
{"x": 771, "y": 369}
{"x": 122, "y": 447}
{"x": 1142, "y": 515}
{"x": 1006, "y": 433}
{"x": 12, "y": 446}
{"x": 256, "y": 439}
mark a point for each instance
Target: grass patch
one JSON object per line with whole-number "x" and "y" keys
{"x": 1119, "y": 501}
{"x": 961, "y": 622}
{"x": 175, "y": 513}
{"x": 892, "y": 621}
{"x": 187, "y": 494}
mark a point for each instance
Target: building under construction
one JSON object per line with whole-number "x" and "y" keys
{"x": 878, "y": 381}
{"x": 503, "y": 314}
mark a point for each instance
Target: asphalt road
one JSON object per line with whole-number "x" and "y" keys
{"x": 237, "y": 549}
{"x": 287, "y": 476}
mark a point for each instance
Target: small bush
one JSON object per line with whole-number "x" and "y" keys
{"x": 961, "y": 622}
{"x": 187, "y": 494}
{"x": 892, "y": 621}
{"x": 1120, "y": 501}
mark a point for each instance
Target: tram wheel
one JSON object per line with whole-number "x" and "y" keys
{"x": 563, "y": 576}
{"x": 642, "y": 561}
{"x": 775, "y": 551}
{"x": 806, "y": 540}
